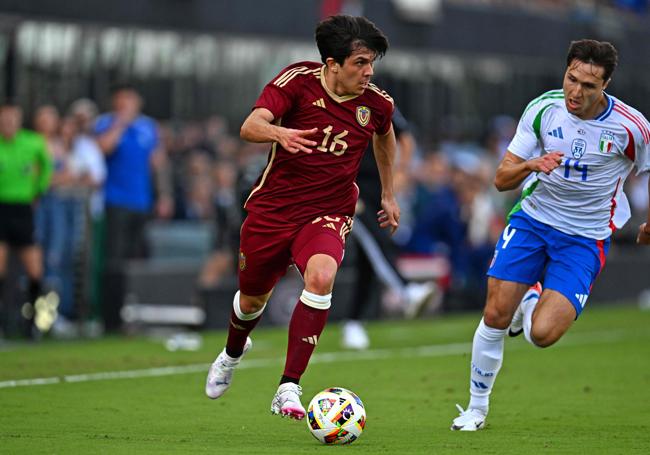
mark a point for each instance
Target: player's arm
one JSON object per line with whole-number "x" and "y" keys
{"x": 384, "y": 147}
{"x": 259, "y": 127}
{"x": 644, "y": 230}
{"x": 513, "y": 169}
{"x": 108, "y": 138}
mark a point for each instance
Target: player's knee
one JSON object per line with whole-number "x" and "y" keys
{"x": 496, "y": 318}
{"x": 320, "y": 281}
{"x": 251, "y": 304}
{"x": 544, "y": 335}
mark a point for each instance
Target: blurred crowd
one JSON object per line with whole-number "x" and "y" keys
{"x": 114, "y": 173}
{"x": 564, "y": 6}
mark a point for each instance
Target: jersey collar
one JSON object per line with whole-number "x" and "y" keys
{"x": 608, "y": 110}
{"x": 334, "y": 96}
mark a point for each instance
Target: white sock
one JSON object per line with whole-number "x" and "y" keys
{"x": 528, "y": 307}
{"x": 487, "y": 356}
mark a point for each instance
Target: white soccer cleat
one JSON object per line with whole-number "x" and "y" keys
{"x": 470, "y": 420}
{"x": 355, "y": 336}
{"x": 221, "y": 371}
{"x": 517, "y": 323}
{"x": 286, "y": 401}
{"x": 418, "y": 296}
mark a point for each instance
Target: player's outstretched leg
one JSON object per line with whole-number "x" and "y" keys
{"x": 238, "y": 342}
{"x": 221, "y": 371}
{"x": 528, "y": 302}
{"x": 487, "y": 356}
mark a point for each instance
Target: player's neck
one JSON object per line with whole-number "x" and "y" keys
{"x": 333, "y": 85}
{"x": 597, "y": 109}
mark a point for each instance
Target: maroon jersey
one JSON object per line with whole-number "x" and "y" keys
{"x": 297, "y": 188}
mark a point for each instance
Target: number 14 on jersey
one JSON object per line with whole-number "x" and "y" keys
{"x": 575, "y": 169}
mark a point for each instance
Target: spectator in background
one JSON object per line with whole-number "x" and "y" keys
{"x": 438, "y": 228}
{"x": 376, "y": 250}
{"x": 227, "y": 217}
{"x": 55, "y": 214}
{"x": 84, "y": 113}
{"x": 25, "y": 170}
{"x": 129, "y": 141}
{"x": 85, "y": 169}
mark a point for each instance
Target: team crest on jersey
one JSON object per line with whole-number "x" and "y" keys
{"x": 242, "y": 261}
{"x": 606, "y": 141}
{"x": 363, "y": 115}
{"x": 578, "y": 148}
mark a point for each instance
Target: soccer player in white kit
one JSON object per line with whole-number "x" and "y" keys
{"x": 579, "y": 143}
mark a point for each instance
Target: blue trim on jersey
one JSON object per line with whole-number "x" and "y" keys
{"x": 608, "y": 110}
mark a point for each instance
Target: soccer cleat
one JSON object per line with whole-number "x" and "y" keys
{"x": 470, "y": 420}
{"x": 517, "y": 324}
{"x": 355, "y": 336}
{"x": 286, "y": 401}
{"x": 417, "y": 297}
{"x": 221, "y": 371}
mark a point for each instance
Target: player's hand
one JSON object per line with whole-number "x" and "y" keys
{"x": 643, "y": 237}
{"x": 295, "y": 141}
{"x": 388, "y": 216}
{"x": 546, "y": 163}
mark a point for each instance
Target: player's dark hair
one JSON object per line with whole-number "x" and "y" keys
{"x": 338, "y": 36}
{"x": 599, "y": 53}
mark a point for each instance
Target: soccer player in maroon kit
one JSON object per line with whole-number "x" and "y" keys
{"x": 320, "y": 118}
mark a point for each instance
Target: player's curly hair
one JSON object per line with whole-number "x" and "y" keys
{"x": 599, "y": 53}
{"x": 338, "y": 36}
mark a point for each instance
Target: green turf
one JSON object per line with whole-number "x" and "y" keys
{"x": 589, "y": 394}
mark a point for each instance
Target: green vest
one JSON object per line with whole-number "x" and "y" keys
{"x": 25, "y": 167}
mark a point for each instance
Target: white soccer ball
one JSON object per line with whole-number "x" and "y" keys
{"x": 336, "y": 416}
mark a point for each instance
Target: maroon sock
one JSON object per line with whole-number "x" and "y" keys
{"x": 238, "y": 330}
{"x": 306, "y": 325}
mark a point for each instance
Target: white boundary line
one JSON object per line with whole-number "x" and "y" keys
{"x": 438, "y": 350}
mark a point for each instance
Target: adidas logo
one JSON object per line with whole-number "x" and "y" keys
{"x": 330, "y": 225}
{"x": 582, "y": 298}
{"x": 557, "y": 132}
{"x": 319, "y": 102}
{"x": 311, "y": 340}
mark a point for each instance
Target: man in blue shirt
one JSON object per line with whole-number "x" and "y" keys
{"x": 129, "y": 140}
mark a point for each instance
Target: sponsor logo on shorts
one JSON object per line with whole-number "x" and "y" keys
{"x": 582, "y": 298}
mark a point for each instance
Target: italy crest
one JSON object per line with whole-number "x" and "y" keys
{"x": 606, "y": 141}
{"x": 363, "y": 115}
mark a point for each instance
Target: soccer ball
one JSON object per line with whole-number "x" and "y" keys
{"x": 336, "y": 416}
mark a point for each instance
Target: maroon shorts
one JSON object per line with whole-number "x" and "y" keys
{"x": 267, "y": 248}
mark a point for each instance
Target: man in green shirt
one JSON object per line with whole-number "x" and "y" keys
{"x": 25, "y": 171}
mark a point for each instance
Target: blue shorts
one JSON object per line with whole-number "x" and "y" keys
{"x": 527, "y": 248}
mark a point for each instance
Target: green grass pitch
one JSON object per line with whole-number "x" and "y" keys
{"x": 588, "y": 394}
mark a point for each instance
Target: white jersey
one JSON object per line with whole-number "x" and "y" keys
{"x": 584, "y": 195}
